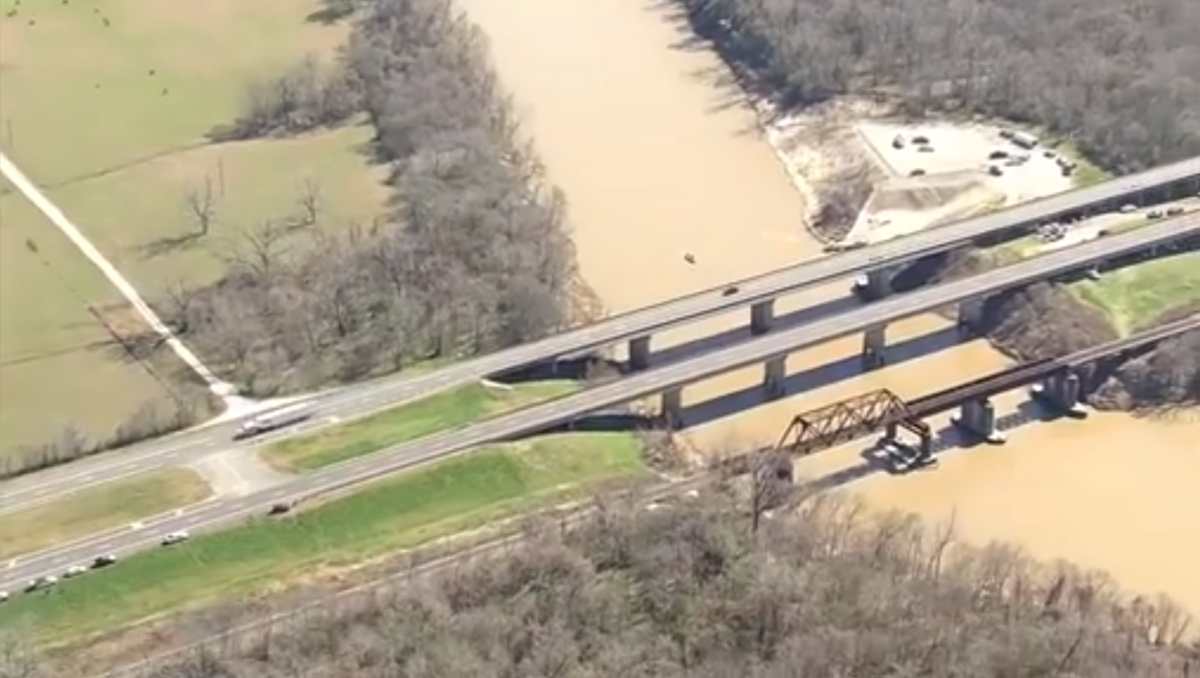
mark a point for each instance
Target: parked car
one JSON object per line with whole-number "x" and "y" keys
{"x": 3, "y": 596}
{"x": 918, "y": 172}
{"x": 730, "y": 291}
{"x": 1155, "y": 214}
{"x": 41, "y": 583}
{"x": 103, "y": 561}
{"x": 1175, "y": 210}
{"x": 280, "y": 508}
{"x": 74, "y": 571}
{"x": 175, "y": 538}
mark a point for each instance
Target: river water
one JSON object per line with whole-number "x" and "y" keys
{"x": 658, "y": 157}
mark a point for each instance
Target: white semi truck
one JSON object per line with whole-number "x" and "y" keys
{"x": 274, "y": 419}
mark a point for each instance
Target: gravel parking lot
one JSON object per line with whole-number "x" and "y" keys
{"x": 955, "y": 148}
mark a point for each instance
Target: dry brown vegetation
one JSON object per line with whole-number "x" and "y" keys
{"x": 1121, "y": 79}
{"x": 474, "y": 257}
{"x": 822, "y": 588}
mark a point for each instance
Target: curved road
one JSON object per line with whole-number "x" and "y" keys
{"x": 363, "y": 399}
{"x": 542, "y": 416}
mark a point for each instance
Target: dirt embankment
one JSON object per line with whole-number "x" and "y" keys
{"x": 1047, "y": 321}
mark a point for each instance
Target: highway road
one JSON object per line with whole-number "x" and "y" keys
{"x": 545, "y": 415}
{"x": 368, "y": 397}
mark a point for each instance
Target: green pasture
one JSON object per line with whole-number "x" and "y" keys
{"x": 58, "y": 364}
{"x": 268, "y": 554}
{"x": 92, "y": 510}
{"x": 106, "y": 105}
{"x": 439, "y": 412}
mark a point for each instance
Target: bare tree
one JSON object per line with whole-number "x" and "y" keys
{"x": 258, "y": 250}
{"x": 311, "y": 200}
{"x": 201, "y": 202}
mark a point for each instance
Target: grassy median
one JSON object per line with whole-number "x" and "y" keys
{"x": 98, "y": 508}
{"x": 425, "y": 504}
{"x": 439, "y": 412}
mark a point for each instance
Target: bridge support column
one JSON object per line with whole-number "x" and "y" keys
{"x": 970, "y": 317}
{"x": 672, "y": 408}
{"x": 762, "y": 317}
{"x": 874, "y": 343}
{"x": 978, "y": 418}
{"x": 639, "y": 353}
{"x": 775, "y": 376}
{"x": 1061, "y": 392}
{"x": 875, "y": 285}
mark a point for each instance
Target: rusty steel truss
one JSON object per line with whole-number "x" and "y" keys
{"x": 846, "y": 421}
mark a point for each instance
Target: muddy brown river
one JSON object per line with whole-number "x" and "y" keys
{"x": 658, "y": 157}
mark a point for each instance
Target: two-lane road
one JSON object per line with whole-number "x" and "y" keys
{"x": 542, "y": 416}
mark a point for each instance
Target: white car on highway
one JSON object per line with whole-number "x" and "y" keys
{"x": 74, "y": 571}
{"x": 175, "y": 538}
{"x": 41, "y": 583}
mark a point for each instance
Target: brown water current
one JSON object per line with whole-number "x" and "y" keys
{"x": 658, "y": 157}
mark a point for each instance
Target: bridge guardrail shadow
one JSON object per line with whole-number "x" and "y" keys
{"x": 818, "y": 377}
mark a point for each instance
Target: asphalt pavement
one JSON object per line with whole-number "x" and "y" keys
{"x": 540, "y": 417}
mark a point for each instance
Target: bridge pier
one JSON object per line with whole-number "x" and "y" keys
{"x": 639, "y": 353}
{"x": 970, "y": 317}
{"x": 874, "y": 344}
{"x": 672, "y": 408}
{"x": 875, "y": 285}
{"x": 762, "y": 317}
{"x": 775, "y": 376}
{"x": 1062, "y": 392}
{"x": 978, "y": 418}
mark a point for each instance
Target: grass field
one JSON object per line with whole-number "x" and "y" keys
{"x": 106, "y": 106}
{"x": 440, "y": 412}
{"x": 266, "y": 554}
{"x": 58, "y": 365}
{"x": 1135, "y": 296}
{"x": 95, "y": 509}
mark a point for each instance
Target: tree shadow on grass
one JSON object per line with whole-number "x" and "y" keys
{"x": 169, "y": 244}
{"x": 332, "y": 12}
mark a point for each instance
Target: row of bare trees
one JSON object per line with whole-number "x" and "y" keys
{"x": 1120, "y": 77}
{"x": 822, "y": 587}
{"x": 474, "y": 257}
